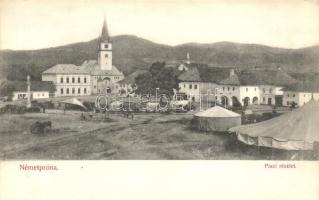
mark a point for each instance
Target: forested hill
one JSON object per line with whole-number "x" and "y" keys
{"x": 131, "y": 53}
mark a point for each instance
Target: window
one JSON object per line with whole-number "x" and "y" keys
{"x": 246, "y": 89}
{"x": 233, "y": 88}
{"x": 255, "y": 89}
{"x": 79, "y": 90}
{"x": 264, "y": 99}
{"x": 184, "y": 86}
{"x": 287, "y": 95}
{"x": 73, "y": 79}
{"x": 190, "y": 86}
{"x": 288, "y": 102}
{"x": 106, "y": 55}
{"x": 228, "y": 88}
{"x": 67, "y": 79}
{"x": 270, "y": 90}
{"x": 84, "y": 79}
{"x": 67, "y": 90}
{"x": 79, "y": 80}
{"x": 195, "y": 87}
{"x": 94, "y": 86}
{"x": 73, "y": 90}
{"x": 61, "y": 80}
{"x": 293, "y": 95}
{"x": 223, "y": 88}
{"x": 61, "y": 91}
{"x": 85, "y": 91}
{"x": 106, "y": 46}
{"x": 264, "y": 90}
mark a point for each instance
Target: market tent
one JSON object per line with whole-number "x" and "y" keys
{"x": 74, "y": 101}
{"x": 216, "y": 119}
{"x": 297, "y": 130}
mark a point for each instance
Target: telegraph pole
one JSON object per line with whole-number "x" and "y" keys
{"x": 29, "y": 92}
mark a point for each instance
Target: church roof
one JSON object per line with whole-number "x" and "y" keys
{"x": 105, "y": 33}
{"x": 95, "y": 69}
{"x": 67, "y": 69}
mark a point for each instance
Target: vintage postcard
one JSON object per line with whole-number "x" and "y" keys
{"x": 85, "y": 82}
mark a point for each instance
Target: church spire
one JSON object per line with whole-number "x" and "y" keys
{"x": 105, "y": 33}
{"x": 188, "y": 59}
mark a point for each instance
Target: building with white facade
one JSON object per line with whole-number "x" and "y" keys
{"x": 18, "y": 90}
{"x": 92, "y": 77}
{"x": 300, "y": 93}
{"x": 199, "y": 81}
{"x": 254, "y": 87}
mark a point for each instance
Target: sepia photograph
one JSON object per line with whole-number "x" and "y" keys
{"x": 159, "y": 80}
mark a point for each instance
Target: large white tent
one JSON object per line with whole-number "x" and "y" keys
{"x": 297, "y": 130}
{"x": 216, "y": 119}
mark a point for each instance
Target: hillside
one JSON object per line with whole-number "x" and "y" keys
{"x": 132, "y": 53}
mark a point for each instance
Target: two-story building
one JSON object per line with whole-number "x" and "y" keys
{"x": 254, "y": 87}
{"x": 300, "y": 93}
{"x": 198, "y": 81}
{"x": 69, "y": 79}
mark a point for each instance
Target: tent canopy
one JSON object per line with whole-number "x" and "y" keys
{"x": 216, "y": 119}
{"x": 217, "y": 111}
{"x": 292, "y": 131}
{"x": 74, "y": 101}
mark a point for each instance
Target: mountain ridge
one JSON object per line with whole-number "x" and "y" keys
{"x": 133, "y": 53}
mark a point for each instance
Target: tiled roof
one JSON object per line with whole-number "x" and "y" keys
{"x": 311, "y": 85}
{"x": 191, "y": 75}
{"x": 231, "y": 80}
{"x": 88, "y": 67}
{"x": 260, "y": 77}
{"x": 67, "y": 69}
{"x": 203, "y": 73}
{"x": 95, "y": 69}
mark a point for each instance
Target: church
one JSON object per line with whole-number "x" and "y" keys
{"x": 92, "y": 77}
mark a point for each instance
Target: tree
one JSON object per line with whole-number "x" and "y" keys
{"x": 158, "y": 76}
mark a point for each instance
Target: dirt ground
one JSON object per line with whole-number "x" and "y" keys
{"x": 149, "y": 136}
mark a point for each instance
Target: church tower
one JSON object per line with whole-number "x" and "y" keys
{"x": 105, "y": 49}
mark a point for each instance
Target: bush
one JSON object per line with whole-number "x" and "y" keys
{"x": 14, "y": 109}
{"x": 34, "y": 109}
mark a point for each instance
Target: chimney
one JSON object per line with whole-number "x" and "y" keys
{"x": 232, "y": 72}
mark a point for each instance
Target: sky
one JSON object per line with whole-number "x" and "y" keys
{"x": 36, "y": 24}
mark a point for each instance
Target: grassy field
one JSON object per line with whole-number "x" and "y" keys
{"x": 147, "y": 136}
